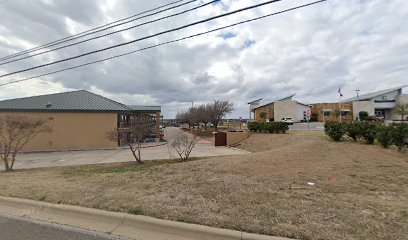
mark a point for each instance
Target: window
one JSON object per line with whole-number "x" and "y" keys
{"x": 326, "y": 113}
{"x": 384, "y": 98}
{"x": 344, "y": 113}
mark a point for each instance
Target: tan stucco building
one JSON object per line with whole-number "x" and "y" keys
{"x": 79, "y": 119}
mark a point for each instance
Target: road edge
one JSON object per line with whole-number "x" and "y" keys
{"x": 121, "y": 224}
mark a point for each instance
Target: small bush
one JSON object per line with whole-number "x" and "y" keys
{"x": 136, "y": 211}
{"x": 335, "y": 130}
{"x": 369, "y": 131}
{"x": 270, "y": 127}
{"x": 399, "y": 135}
{"x": 253, "y": 126}
{"x": 353, "y": 129}
{"x": 363, "y": 115}
{"x": 384, "y": 136}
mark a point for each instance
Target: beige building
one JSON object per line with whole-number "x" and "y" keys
{"x": 80, "y": 119}
{"x": 281, "y": 108}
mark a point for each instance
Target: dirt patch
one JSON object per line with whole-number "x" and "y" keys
{"x": 358, "y": 191}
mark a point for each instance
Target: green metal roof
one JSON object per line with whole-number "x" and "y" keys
{"x": 75, "y": 101}
{"x": 143, "y": 108}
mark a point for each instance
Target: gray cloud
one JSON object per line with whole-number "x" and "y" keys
{"x": 311, "y": 52}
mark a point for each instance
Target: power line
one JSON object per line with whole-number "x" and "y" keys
{"x": 164, "y": 43}
{"x": 114, "y": 32}
{"x": 98, "y": 29}
{"x": 143, "y": 38}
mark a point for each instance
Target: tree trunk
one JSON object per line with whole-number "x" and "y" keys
{"x": 6, "y": 165}
{"x": 138, "y": 153}
{"x": 205, "y": 126}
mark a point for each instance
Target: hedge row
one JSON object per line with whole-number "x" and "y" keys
{"x": 271, "y": 127}
{"x": 395, "y": 133}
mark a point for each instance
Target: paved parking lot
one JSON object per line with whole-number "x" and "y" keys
{"x": 52, "y": 159}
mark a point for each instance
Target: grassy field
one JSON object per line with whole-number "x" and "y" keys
{"x": 359, "y": 191}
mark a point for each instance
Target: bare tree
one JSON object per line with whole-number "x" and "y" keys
{"x": 15, "y": 133}
{"x": 140, "y": 128}
{"x": 218, "y": 109}
{"x": 184, "y": 144}
{"x": 185, "y": 117}
{"x": 195, "y": 116}
{"x": 204, "y": 114}
{"x": 402, "y": 110}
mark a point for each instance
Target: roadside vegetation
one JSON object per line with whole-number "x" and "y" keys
{"x": 212, "y": 112}
{"x": 15, "y": 133}
{"x": 358, "y": 190}
{"x": 370, "y": 132}
{"x": 269, "y": 127}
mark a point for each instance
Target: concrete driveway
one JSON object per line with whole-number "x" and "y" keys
{"x": 52, "y": 159}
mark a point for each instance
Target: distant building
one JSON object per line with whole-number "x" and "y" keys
{"x": 282, "y": 108}
{"x": 80, "y": 119}
{"x": 381, "y": 103}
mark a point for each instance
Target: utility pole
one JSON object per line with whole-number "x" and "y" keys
{"x": 357, "y": 106}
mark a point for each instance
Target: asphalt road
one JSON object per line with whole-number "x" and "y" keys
{"x": 17, "y": 228}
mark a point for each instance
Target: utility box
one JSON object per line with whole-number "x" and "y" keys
{"x": 220, "y": 139}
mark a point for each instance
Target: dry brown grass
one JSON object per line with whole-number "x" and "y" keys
{"x": 361, "y": 191}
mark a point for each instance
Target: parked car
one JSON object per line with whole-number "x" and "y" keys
{"x": 374, "y": 118}
{"x": 288, "y": 121}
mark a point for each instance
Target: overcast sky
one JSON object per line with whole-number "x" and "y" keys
{"x": 353, "y": 44}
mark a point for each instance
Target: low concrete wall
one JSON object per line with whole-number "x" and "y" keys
{"x": 236, "y": 137}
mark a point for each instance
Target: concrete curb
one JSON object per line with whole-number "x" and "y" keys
{"x": 122, "y": 224}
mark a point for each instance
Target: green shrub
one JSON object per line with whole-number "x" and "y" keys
{"x": 369, "y": 131}
{"x": 335, "y": 130}
{"x": 363, "y": 115}
{"x": 353, "y": 129}
{"x": 384, "y": 136}
{"x": 263, "y": 127}
{"x": 270, "y": 127}
{"x": 399, "y": 135}
{"x": 253, "y": 126}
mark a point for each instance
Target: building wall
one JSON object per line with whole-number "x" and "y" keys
{"x": 363, "y": 106}
{"x": 269, "y": 109}
{"x": 285, "y": 109}
{"x": 281, "y": 109}
{"x": 289, "y": 109}
{"x": 399, "y": 99}
{"x": 72, "y": 130}
{"x": 301, "y": 109}
{"x": 319, "y": 107}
